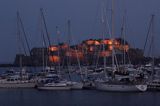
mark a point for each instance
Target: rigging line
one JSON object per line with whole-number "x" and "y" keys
{"x": 123, "y": 34}
{"x": 111, "y": 32}
{"x": 78, "y": 60}
{"x": 47, "y": 33}
{"x": 69, "y": 50}
{"x": 69, "y": 42}
{"x": 42, "y": 32}
{"x": 44, "y": 45}
{"x": 148, "y": 33}
{"x": 58, "y": 39}
{"x": 45, "y": 25}
{"x": 20, "y": 37}
{"x": 103, "y": 37}
{"x": 19, "y": 45}
{"x": 25, "y": 36}
{"x": 44, "y": 39}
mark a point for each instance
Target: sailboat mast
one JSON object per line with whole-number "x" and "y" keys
{"x": 46, "y": 31}
{"x": 58, "y": 35}
{"x": 123, "y": 34}
{"x": 45, "y": 25}
{"x": 24, "y": 33}
{"x": 112, "y": 33}
{"x": 69, "y": 43}
{"x": 19, "y": 47}
{"x": 69, "y": 31}
{"x": 103, "y": 36}
{"x": 152, "y": 46}
{"x": 19, "y": 36}
{"x": 43, "y": 44}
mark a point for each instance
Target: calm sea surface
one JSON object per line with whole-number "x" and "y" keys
{"x": 34, "y": 97}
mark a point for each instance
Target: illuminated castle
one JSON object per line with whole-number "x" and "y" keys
{"x": 87, "y": 52}
{"x": 91, "y": 47}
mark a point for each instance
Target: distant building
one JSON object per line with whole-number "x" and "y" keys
{"x": 88, "y": 52}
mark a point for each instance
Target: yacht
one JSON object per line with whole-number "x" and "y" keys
{"x": 17, "y": 80}
{"x": 53, "y": 82}
{"x": 120, "y": 87}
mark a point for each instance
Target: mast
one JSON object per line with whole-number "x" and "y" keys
{"x": 114, "y": 58}
{"x": 45, "y": 25}
{"x": 46, "y": 31}
{"x": 58, "y": 35}
{"x": 25, "y": 38}
{"x": 123, "y": 34}
{"x": 152, "y": 45}
{"x": 43, "y": 56}
{"x": 103, "y": 37}
{"x": 76, "y": 50}
{"x": 69, "y": 43}
{"x": 112, "y": 33}
{"x": 19, "y": 35}
{"x": 19, "y": 47}
{"x": 43, "y": 44}
{"x": 24, "y": 33}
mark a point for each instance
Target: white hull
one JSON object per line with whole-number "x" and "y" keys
{"x": 154, "y": 86}
{"x": 17, "y": 85}
{"x": 54, "y": 86}
{"x": 76, "y": 85}
{"x": 120, "y": 88}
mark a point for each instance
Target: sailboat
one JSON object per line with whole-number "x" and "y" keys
{"x": 153, "y": 83}
{"x": 75, "y": 85}
{"x": 21, "y": 78}
{"x": 55, "y": 81}
{"x": 123, "y": 83}
{"x": 18, "y": 81}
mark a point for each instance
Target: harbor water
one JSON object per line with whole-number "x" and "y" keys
{"x": 33, "y": 97}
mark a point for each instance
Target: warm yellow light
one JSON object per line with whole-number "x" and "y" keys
{"x": 110, "y": 42}
{"x": 96, "y": 43}
{"x": 54, "y": 59}
{"x": 91, "y": 49}
{"x": 90, "y": 42}
{"x": 53, "y": 48}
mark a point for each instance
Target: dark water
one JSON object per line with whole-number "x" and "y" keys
{"x": 33, "y": 97}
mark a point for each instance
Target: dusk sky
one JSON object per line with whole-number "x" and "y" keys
{"x": 84, "y": 15}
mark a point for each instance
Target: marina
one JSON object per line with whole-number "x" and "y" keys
{"x": 51, "y": 81}
{"x": 79, "y": 53}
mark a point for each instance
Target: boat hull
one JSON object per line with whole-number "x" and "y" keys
{"x": 121, "y": 88}
{"x": 153, "y": 87}
{"x": 88, "y": 85}
{"x": 17, "y": 85}
{"x": 54, "y": 86}
{"x": 76, "y": 85}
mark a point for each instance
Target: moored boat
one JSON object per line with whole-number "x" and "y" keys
{"x": 105, "y": 86}
{"x": 75, "y": 85}
{"x": 54, "y": 86}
